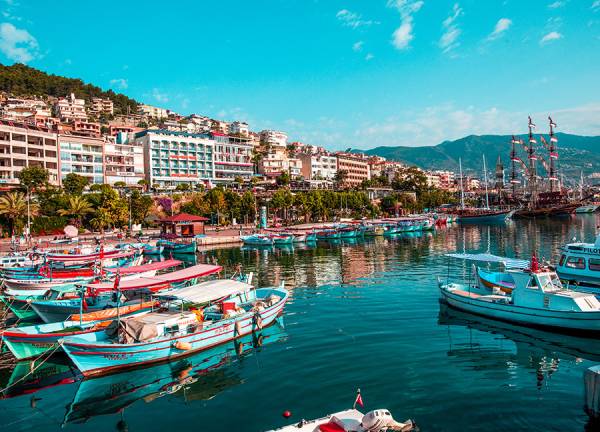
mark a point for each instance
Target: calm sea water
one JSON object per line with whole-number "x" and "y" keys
{"x": 362, "y": 314}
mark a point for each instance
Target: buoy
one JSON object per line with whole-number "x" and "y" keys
{"x": 183, "y": 346}
{"x": 238, "y": 328}
{"x": 258, "y": 321}
{"x": 287, "y": 414}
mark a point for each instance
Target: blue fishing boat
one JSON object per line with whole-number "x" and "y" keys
{"x": 349, "y": 232}
{"x": 282, "y": 239}
{"x": 257, "y": 240}
{"x": 153, "y": 250}
{"x": 328, "y": 234}
{"x": 474, "y": 216}
{"x": 579, "y": 264}
{"x": 311, "y": 237}
{"x": 177, "y": 247}
{"x": 235, "y": 309}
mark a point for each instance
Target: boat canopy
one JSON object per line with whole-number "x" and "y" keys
{"x": 208, "y": 291}
{"x": 159, "y": 265}
{"x": 166, "y": 279}
{"x": 487, "y": 257}
{"x": 113, "y": 254}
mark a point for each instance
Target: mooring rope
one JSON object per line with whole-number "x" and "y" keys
{"x": 50, "y": 352}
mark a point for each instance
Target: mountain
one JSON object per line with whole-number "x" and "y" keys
{"x": 576, "y": 153}
{"x": 22, "y": 80}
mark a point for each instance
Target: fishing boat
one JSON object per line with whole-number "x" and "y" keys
{"x": 374, "y": 230}
{"x": 177, "y": 247}
{"x": 234, "y": 309}
{"x": 153, "y": 250}
{"x": 16, "y": 260}
{"x": 351, "y": 420}
{"x": 328, "y": 234}
{"x": 257, "y": 240}
{"x": 32, "y": 341}
{"x": 579, "y": 264}
{"x": 349, "y": 232}
{"x": 311, "y": 237}
{"x": 474, "y": 216}
{"x": 282, "y": 239}
{"x": 588, "y": 208}
{"x": 103, "y": 295}
{"x": 193, "y": 377}
{"x": 538, "y": 299}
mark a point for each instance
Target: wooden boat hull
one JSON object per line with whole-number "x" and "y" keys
{"x": 494, "y": 281}
{"x": 51, "y": 311}
{"x": 254, "y": 240}
{"x": 96, "y": 358}
{"x": 564, "y": 210}
{"x": 20, "y": 308}
{"x": 532, "y": 317}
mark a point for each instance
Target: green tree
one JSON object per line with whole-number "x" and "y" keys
{"x": 120, "y": 184}
{"x": 248, "y": 206}
{"x": 74, "y": 184}
{"x": 183, "y": 187}
{"x": 283, "y": 179}
{"x": 13, "y": 206}
{"x": 197, "y": 205}
{"x": 410, "y": 179}
{"x": 141, "y": 205}
{"x": 218, "y": 205}
{"x": 33, "y": 178}
{"x": 144, "y": 184}
{"x": 340, "y": 177}
{"x": 77, "y": 207}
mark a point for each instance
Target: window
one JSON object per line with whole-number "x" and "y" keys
{"x": 594, "y": 264}
{"x": 575, "y": 262}
{"x": 562, "y": 260}
{"x": 172, "y": 329}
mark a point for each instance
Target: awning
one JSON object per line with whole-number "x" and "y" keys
{"x": 114, "y": 254}
{"x": 486, "y": 257}
{"x": 208, "y": 291}
{"x": 163, "y": 280}
{"x": 159, "y": 265}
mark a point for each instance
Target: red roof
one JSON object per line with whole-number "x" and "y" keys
{"x": 184, "y": 217}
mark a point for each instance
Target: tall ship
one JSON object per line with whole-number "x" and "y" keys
{"x": 540, "y": 197}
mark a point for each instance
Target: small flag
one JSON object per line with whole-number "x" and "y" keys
{"x": 117, "y": 281}
{"x": 358, "y": 400}
{"x": 84, "y": 304}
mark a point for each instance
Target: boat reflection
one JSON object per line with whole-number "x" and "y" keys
{"x": 198, "y": 377}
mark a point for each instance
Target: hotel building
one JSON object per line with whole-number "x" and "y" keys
{"x": 100, "y": 106}
{"x": 70, "y": 109}
{"x": 22, "y": 147}
{"x": 318, "y": 166}
{"x": 83, "y": 155}
{"x": 173, "y": 158}
{"x": 356, "y": 168}
{"x": 123, "y": 160}
{"x": 232, "y": 158}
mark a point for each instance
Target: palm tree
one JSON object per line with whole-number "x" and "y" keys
{"x": 77, "y": 207}
{"x": 13, "y": 206}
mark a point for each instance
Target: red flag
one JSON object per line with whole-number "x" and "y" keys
{"x": 117, "y": 281}
{"x": 84, "y": 304}
{"x": 358, "y": 400}
{"x": 101, "y": 251}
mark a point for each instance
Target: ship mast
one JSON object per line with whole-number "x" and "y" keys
{"x": 513, "y": 172}
{"x": 532, "y": 157}
{"x": 487, "y": 197}
{"x": 462, "y": 191}
{"x": 553, "y": 150}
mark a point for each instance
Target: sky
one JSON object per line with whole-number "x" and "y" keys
{"x": 336, "y": 73}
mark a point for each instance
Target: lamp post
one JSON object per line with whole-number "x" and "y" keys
{"x": 130, "y": 214}
{"x": 28, "y": 214}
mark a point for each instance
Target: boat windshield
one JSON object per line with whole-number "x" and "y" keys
{"x": 550, "y": 282}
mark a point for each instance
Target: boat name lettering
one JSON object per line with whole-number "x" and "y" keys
{"x": 116, "y": 356}
{"x": 592, "y": 250}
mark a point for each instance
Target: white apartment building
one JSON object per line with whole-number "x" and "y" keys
{"x": 153, "y": 112}
{"x": 240, "y": 128}
{"x": 273, "y": 138}
{"x": 19, "y": 109}
{"x": 277, "y": 161}
{"x": 83, "y": 155}
{"x": 123, "y": 160}
{"x": 233, "y": 158}
{"x": 70, "y": 109}
{"x": 220, "y": 126}
{"x": 318, "y": 166}
{"x": 172, "y": 158}
{"x": 100, "y": 106}
{"x": 29, "y": 146}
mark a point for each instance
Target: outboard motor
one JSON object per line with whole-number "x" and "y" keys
{"x": 381, "y": 420}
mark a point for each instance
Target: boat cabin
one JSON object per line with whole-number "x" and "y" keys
{"x": 182, "y": 225}
{"x": 544, "y": 290}
{"x": 580, "y": 262}
{"x": 144, "y": 328}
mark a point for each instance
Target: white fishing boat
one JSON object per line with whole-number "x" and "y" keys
{"x": 538, "y": 299}
{"x": 580, "y": 264}
{"x": 351, "y": 420}
{"x": 590, "y": 208}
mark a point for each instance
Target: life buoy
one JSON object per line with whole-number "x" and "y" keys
{"x": 44, "y": 271}
{"x": 183, "y": 346}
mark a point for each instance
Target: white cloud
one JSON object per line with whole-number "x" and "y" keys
{"x": 552, "y": 36}
{"x": 18, "y": 44}
{"x": 403, "y": 35}
{"x": 369, "y": 56}
{"x": 159, "y": 96}
{"x": 448, "y": 41}
{"x": 596, "y": 5}
{"x": 433, "y": 125}
{"x": 119, "y": 83}
{"x": 557, "y": 4}
{"x": 353, "y": 20}
{"x": 500, "y": 29}
{"x": 358, "y": 46}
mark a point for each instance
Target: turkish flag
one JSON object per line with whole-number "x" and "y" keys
{"x": 359, "y": 400}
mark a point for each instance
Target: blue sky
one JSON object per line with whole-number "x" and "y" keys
{"x": 338, "y": 73}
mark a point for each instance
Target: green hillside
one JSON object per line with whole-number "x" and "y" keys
{"x": 577, "y": 153}
{"x": 22, "y": 80}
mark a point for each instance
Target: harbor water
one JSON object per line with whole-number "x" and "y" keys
{"x": 362, "y": 313}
